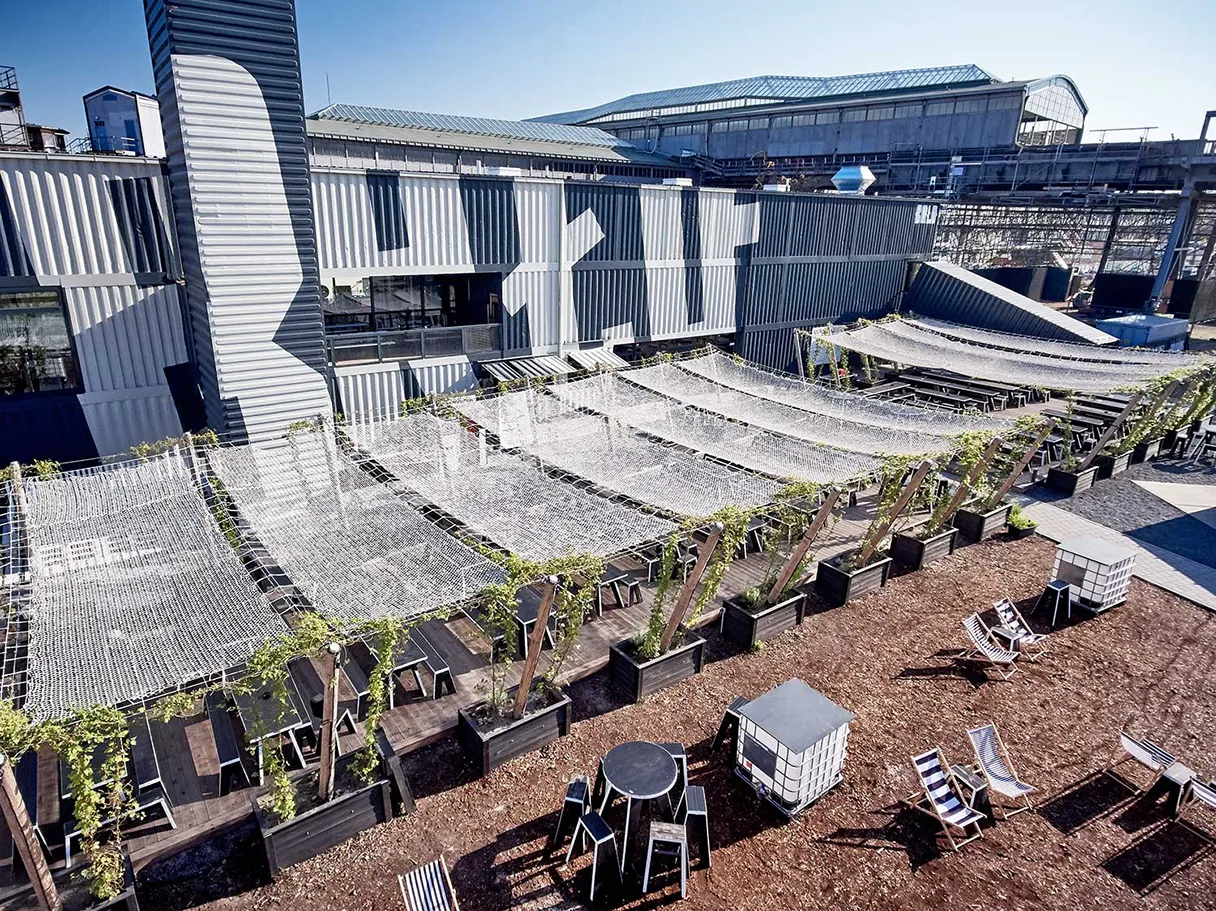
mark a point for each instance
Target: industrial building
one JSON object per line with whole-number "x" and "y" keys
{"x": 123, "y": 121}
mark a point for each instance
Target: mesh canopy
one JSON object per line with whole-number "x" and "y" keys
{"x": 501, "y": 496}
{"x": 1167, "y": 360}
{"x": 908, "y": 344}
{"x": 353, "y": 548}
{"x": 770, "y": 453}
{"x": 601, "y": 450}
{"x": 134, "y": 589}
{"x": 851, "y": 406}
{"x": 693, "y": 389}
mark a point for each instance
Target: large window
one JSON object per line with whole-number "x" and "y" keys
{"x": 35, "y": 345}
{"x": 387, "y": 302}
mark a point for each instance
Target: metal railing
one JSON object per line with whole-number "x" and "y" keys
{"x": 404, "y": 344}
{"x": 8, "y": 78}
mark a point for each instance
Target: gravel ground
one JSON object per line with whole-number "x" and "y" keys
{"x": 1120, "y": 504}
{"x": 1147, "y": 667}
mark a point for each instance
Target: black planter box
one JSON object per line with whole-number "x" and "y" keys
{"x": 1110, "y": 465}
{"x": 974, "y": 527}
{"x": 637, "y": 678}
{"x": 836, "y": 586}
{"x": 124, "y": 900}
{"x": 1070, "y": 482}
{"x": 490, "y": 749}
{"x": 748, "y": 627}
{"x": 1148, "y": 449}
{"x": 1018, "y": 533}
{"x": 317, "y": 830}
{"x": 918, "y": 553}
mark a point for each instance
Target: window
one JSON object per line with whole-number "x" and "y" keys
{"x": 783, "y": 123}
{"x": 758, "y": 123}
{"x": 35, "y": 345}
{"x": 907, "y": 110}
{"x": 934, "y": 108}
{"x": 828, "y": 117}
{"x": 804, "y": 120}
{"x": 853, "y": 115}
{"x": 736, "y": 126}
{"x": 718, "y": 126}
{"x": 970, "y": 106}
{"x": 395, "y": 302}
{"x": 883, "y": 113}
{"x": 1004, "y": 102}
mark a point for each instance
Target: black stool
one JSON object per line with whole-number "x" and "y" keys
{"x": 674, "y": 836}
{"x": 729, "y": 728}
{"x": 578, "y": 796}
{"x": 681, "y": 757}
{"x": 591, "y": 825}
{"x": 1057, "y": 594}
{"x": 694, "y": 807}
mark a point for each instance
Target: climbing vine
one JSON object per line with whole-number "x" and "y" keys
{"x": 648, "y": 640}
{"x": 387, "y": 633}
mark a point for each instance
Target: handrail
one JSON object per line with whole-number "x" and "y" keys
{"x": 407, "y": 344}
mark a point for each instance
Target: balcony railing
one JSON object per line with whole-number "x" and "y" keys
{"x": 350, "y": 348}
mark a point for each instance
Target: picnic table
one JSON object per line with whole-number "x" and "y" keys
{"x": 259, "y": 712}
{"x": 408, "y": 656}
{"x": 960, "y": 390}
{"x": 1017, "y": 394}
{"x": 884, "y": 389}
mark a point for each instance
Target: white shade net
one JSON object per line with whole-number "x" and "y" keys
{"x": 501, "y": 496}
{"x": 616, "y": 457}
{"x": 355, "y": 549}
{"x": 770, "y": 453}
{"x": 134, "y": 590}
{"x": 851, "y": 406}
{"x": 696, "y": 390}
{"x": 903, "y": 343}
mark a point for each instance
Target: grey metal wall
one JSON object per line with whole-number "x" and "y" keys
{"x": 228, "y": 78}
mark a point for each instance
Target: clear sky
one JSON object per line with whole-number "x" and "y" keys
{"x": 1137, "y": 63}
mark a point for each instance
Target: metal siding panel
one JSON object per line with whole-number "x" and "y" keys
{"x": 125, "y": 335}
{"x": 121, "y": 420}
{"x": 368, "y": 393}
{"x": 537, "y": 289}
{"x": 440, "y": 378}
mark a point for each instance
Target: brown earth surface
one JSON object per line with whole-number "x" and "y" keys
{"x": 1146, "y": 667}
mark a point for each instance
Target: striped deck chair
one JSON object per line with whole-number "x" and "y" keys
{"x": 1031, "y": 643}
{"x": 428, "y": 888}
{"x": 940, "y": 798}
{"x": 997, "y": 767}
{"x": 1198, "y": 794}
{"x": 985, "y": 651}
{"x": 1147, "y": 754}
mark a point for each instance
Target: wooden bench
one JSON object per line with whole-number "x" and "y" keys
{"x": 441, "y": 674}
{"x": 227, "y": 747}
{"x": 154, "y": 798}
{"x": 311, "y": 687}
{"x": 144, "y": 761}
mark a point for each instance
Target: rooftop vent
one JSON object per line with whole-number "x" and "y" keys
{"x": 855, "y": 179}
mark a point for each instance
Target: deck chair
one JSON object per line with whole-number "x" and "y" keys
{"x": 939, "y": 798}
{"x": 996, "y": 766}
{"x": 1198, "y": 794}
{"x": 428, "y": 888}
{"x": 1030, "y": 642}
{"x": 985, "y": 652}
{"x": 1147, "y": 754}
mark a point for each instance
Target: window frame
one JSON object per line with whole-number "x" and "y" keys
{"x": 75, "y": 387}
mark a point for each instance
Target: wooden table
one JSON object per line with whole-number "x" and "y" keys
{"x": 259, "y": 710}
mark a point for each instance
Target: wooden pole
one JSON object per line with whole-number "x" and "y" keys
{"x": 690, "y": 585}
{"x": 329, "y": 743}
{"x": 18, "y": 819}
{"x": 879, "y": 529}
{"x": 1013, "y": 476}
{"x": 973, "y": 477}
{"x": 800, "y": 549}
{"x": 535, "y": 643}
{"x": 1109, "y": 433}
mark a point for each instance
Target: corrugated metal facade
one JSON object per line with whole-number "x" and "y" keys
{"x": 371, "y": 391}
{"x": 228, "y": 77}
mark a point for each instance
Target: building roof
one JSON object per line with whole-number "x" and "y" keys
{"x": 116, "y": 90}
{"x": 797, "y": 715}
{"x": 781, "y": 88}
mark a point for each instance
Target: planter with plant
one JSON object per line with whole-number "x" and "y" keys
{"x": 1070, "y": 476}
{"x": 1020, "y": 524}
{"x": 667, "y": 650}
{"x": 987, "y": 513}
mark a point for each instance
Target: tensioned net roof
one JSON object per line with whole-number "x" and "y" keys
{"x": 692, "y": 389}
{"x": 134, "y": 590}
{"x": 904, "y": 342}
{"x": 773, "y": 454}
{"x": 354, "y": 548}
{"x": 502, "y": 496}
{"x": 614, "y": 456}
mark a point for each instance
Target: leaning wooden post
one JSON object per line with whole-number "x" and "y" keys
{"x": 22, "y": 831}
{"x": 329, "y": 743}
{"x": 879, "y": 530}
{"x": 1012, "y": 477}
{"x": 535, "y": 643}
{"x": 690, "y": 586}
{"x": 1109, "y": 433}
{"x": 804, "y": 544}
{"x": 967, "y": 484}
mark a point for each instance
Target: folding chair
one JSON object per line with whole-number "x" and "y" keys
{"x": 1198, "y": 794}
{"x": 428, "y": 888}
{"x": 985, "y": 652}
{"x": 939, "y": 798}
{"x": 1147, "y": 754}
{"x": 995, "y": 764}
{"x": 1029, "y": 642}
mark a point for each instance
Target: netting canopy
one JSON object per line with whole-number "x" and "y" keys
{"x": 355, "y": 549}
{"x": 501, "y": 496}
{"x": 903, "y": 342}
{"x": 616, "y": 457}
{"x": 774, "y": 454}
{"x": 838, "y": 403}
{"x": 134, "y": 591}
{"x": 696, "y": 390}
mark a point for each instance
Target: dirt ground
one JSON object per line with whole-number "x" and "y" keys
{"x": 1146, "y": 667}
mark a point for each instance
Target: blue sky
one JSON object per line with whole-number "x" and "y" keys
{"x": 1137, "y": 64}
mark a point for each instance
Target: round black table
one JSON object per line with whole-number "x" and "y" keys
{"x": 639, "y": 770}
